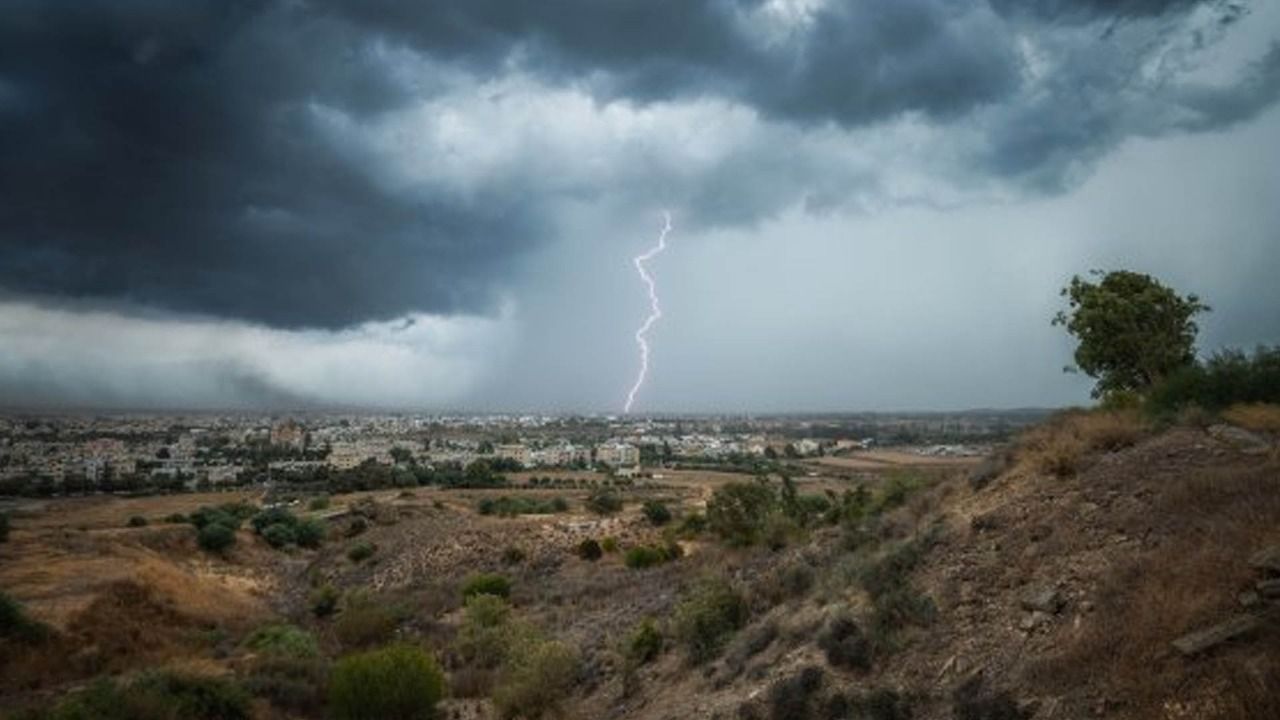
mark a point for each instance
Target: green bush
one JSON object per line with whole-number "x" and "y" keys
{"x": 310, "y": 533}
{"x": 484, "y": 637}
{"x": 16, "y": 625}
{"x": 740, "y": 512}
{"x": 1228, "y": 378}
{"x": 156, "y": 696}
{"x": 228, "y": 514}
{"x": 272, "y": 516}
{"x": 644, "y": 556}
{"x": 364, "y": 621}
{"x": 324, "y": 601}
{"x": 278, "y": 535}
{"x": 707, "y": 617}
{"x": 643, "y": 643}
{"x": 399, "y": 682}
{"x": 609, "y": 544}
{"x": 537, "y": 677}
{"x": 512, "y": 506}
{"x": 289, "y": 640}
{"x": 656, "y": 512}
{"x": 176, "y": 518}
{"x": 137, "y": 521}
{"x": 603, "y": 502}
{"x": 216, "y": 537}
{"x": 590, "y": 550}
{"x": 361, "y": 552}
{"x": 319, "y": 502}
{"x": 486, "y": 584}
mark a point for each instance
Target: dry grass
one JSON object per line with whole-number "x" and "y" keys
{"x": 1259, "y": 417}
{"x": 1219, "y": 517}
{"x": 1060, "y": 446}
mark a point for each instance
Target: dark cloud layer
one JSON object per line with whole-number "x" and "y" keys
{"x": 166, "y": 154}
{"x": 169, "y": 154}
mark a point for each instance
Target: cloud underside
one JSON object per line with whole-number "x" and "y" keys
{"x": 328, "y": 164}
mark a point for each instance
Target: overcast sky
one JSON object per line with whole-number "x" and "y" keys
{"x": 288, "y": 204}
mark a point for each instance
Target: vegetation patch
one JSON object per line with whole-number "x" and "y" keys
{"x": 154, "y": 696}
{"x": 507, "y": 506}
{"x": 486, "y": 584}
{"x": 709, "y": 614}
{"x": 399, "y": 682}
{"x": 365, "y": 621}
{"x": 647, "y": 556}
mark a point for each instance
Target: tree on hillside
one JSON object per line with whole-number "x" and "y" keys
{"x": 1133, "y": 331}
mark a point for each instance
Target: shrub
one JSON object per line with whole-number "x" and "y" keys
{"x": 707, "y": 617}
{"x": 361, "y": 552}
{"x": 272, "y": 516}
{"x": 656, "y": 512}
{"x": 844, "y": 644}
{"x": 604, "y": 502}
{"x": 644, "y": 556}
{"x": 399, "y": 682}
{"x": 1228, "y": 378}
{"x": 738, "y": 512}
{"x": 794, "y": 697}
{"x": 356, "y": 526}
{"x": 643, "y": 643}
{"x": 175, "y": 518}
{"x": 287, "y": 640}
{"x": 364, "y": 621}
{"x": 692, "y": 525}
{"x": 310, "y": 533}
{"x": 319, "y": 502}
{"x": 216, "y": 537}
{"x": 609, "y": 544}
{"x": 486, "y": 584}
{"x": 278, "y": 535}
{"x": 137, "y": 521}
{"x": 228, "y": 514}
{"x": 157, "y": 696}
{"x": 484, "y": 636}
{"x": 16, "y": 625}
{"x": 590, "y": 550}
{"x": 513, "y": 555}
{"x": 292, "y": 683}
{"x": 537, "y": 677}
{"x": 513, "y": 506}
{"x": 324, "y": 601}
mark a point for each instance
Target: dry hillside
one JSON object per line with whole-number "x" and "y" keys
{"x": 1050, "y": 582}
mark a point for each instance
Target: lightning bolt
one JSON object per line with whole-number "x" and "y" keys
{"x": 655, "y": 310}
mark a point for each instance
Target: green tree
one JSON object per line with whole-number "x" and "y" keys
{"x": 1132, "y": 330}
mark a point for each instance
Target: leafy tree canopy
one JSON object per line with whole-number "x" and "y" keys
{"x": 1132, "y": 330}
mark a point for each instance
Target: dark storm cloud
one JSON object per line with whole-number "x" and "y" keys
{"x": 175, "y": 154}
{"x": 167, "y": 154}
{"x": 850, "y": 63}
{"x": 1084, "y": 10}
